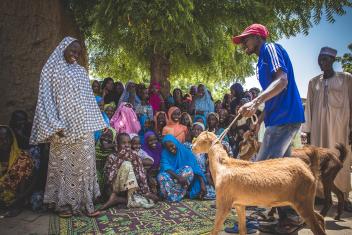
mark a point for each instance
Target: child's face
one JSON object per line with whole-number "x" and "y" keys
{"x": 196, "y": 130}
{"x": 222, "y": 115}
{"x": 124, "y": 143}
{"x": 136, "y": 143}
{"x": 152, "y": 141}
{"x": 212, "y": 121}
{"x": 161, "y": 120}
{"x": 109, "y": 112}
{"x": 176, "y": 115}
{"x": 148, "y": 125}
{"x": 185, "y": 120}
{"x": 171, "y": 147}
{"x": 106, "y": 140}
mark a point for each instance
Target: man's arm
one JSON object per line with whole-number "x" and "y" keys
{"x": 276, "y": 87}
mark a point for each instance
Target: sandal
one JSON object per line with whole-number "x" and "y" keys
{"x": 252, "y": 227}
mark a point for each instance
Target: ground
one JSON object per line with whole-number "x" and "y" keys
{"x": 34, "y": 223}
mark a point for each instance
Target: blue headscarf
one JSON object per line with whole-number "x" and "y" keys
{"x": 184, "y": 157}
{"x": 204, "y": 103}
{"x": 200, "y": 117}
{"x": 98, "y": 133}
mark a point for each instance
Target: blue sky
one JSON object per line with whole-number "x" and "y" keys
{"x": 304, "y": 50}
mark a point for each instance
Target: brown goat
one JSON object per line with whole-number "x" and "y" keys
{"x": 271, "y": 183}
{"x": 330, "y": 165}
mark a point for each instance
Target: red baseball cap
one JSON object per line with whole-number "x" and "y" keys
{"x": 254, "y": 29}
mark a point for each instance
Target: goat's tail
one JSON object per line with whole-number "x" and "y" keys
{"x": 314, "y": 163}
{"x": 343, "y": 152}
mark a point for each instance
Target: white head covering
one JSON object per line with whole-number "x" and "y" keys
{"x": 65, "y": 101}
{"x": 328, "y": 51}
{"x": 199, "y": 124}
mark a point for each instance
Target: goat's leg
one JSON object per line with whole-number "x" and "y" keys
{"x": 320, "y": 219}
{"x": 223, "y": 208}
{"x": 306, "y": 210}
{"x": 340, "y": 200}
{"x": 327, "y": 196}
{"x": 241, "y": 212}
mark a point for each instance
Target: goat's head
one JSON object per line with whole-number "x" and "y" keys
{"x": 203, "y": 142}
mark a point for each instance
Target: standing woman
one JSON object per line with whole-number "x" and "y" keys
{"x": 67, "y": 116}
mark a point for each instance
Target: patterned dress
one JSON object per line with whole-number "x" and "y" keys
{"x": 66, "y": 104}
{"x": 124, "y": 171}
{"x": 202, "y": 161}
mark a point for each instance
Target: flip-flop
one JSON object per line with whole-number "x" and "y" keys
{"x": 251, "y": 228}
{"x": 94, "y": 214}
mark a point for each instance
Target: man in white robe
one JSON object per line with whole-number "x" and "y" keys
{"x": 328, "y": 113}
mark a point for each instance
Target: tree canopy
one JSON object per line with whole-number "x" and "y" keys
{"x": 346, "y": 60}
{"x": 187, "y": 41}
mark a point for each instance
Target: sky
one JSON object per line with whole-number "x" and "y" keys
{"x": 303, "y": 50}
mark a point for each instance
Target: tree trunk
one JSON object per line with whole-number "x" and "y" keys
{"x": 160, "y": 72}
{"x": 29, "y": 32}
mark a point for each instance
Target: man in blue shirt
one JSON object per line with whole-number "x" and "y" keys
{"x": 283, "y": 112}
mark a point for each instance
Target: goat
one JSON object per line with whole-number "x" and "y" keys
{"x": 330, "y": 165}
{"x": 270, "y": 183}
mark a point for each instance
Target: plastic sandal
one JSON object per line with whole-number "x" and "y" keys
{"x": 252, "y": 227}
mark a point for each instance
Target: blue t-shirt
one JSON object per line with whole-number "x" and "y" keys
{"x": 286, "y": 107}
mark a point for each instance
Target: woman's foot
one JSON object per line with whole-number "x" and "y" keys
{"x": 95, "y": 213}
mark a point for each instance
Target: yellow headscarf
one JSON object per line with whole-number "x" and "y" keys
{"x": 112, "y": 104}
{"x": 15, "y": 150}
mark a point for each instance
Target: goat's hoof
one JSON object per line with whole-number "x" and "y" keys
{"x": 338, "y": 217}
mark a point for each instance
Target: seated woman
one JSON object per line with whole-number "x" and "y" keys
{"x": 179, "y": 172}
{"x": 130, "y": 96}
{"x": 125, "y": 178}
{"x": 213, "y": 125}
{"x": 201, "y": 119}
{"x": 174, "y": 127}
{"x": 147, "y": 160}
{"x": 125, "y": 120}
{"x": 202, "y": 104}
{"x": 186, "y": 120}
{"x": 160, "y": 121}
{"x": 202, "y": 160}
{"x": 16, "y": 169}
{"x": 103, "y": 148}
{"x": 96, "y": 88}
{"x": 153, "y": 148}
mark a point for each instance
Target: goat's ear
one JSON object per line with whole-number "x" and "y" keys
{"x": 194, "y": 140}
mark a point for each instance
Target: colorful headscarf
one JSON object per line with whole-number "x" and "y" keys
{"x": 126, "y": 95}
{"x": 112, "y": 105}
{"x": 204, "y": 104}
{"x": 125, "y": 120}
{"x": 184, "y": 157}
{"x": 199, "y": 124}
{"x": 154, "y": 153}
{"x": 154, "y": 99}
{"x": 15, "y": 150}
{"x": 200, "y": 117}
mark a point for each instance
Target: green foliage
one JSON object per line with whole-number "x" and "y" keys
{"x": 194, "y": 35}
{"x": 346, "y": 60}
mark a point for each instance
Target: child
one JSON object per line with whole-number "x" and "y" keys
{"x": 147, "y": 160}
{"x": 125, "y": 177}
{"x": 174, "y": 127}
{"x": 160, "y": 120}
